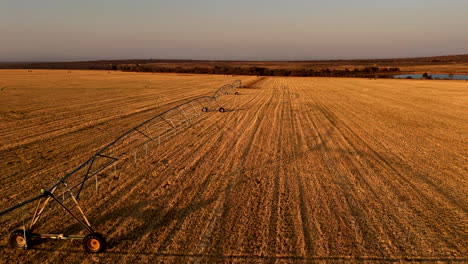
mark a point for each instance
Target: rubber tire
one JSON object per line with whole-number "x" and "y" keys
{"x": 19, "y": 233}
{"x": 94, "y": 238}
{"x": 222, "y": 110}
{"x": 204, "y": 109}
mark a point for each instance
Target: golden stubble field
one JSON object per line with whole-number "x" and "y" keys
{"x": 301, "y": 169}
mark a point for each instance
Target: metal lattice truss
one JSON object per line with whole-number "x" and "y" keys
{"x": 76, "y": 184}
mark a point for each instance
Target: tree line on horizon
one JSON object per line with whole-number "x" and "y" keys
{"x": 367, "y": 72}
{"x": 135, "y": 66}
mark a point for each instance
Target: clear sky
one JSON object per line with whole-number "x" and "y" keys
{"x": 50, "y": 30}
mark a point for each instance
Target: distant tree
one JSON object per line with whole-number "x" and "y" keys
{"x": 450, "y": 76}
{"x": 427, "y": 76}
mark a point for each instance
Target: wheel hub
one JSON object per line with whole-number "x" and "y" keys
{"x": 20, "y": 241}
{"x": 94, "y": 244}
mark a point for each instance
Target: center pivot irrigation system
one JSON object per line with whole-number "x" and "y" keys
{"x": 77, "y": 184}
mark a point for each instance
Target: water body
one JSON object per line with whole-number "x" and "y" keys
{"x": 434, "y": 76}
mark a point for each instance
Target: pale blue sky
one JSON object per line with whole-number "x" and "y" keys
{"x": 231, "y": 30}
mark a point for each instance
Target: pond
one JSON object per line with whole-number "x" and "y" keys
{"x": 434, "y": 76}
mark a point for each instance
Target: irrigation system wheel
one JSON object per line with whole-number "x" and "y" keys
{"x": 94, "y": 243}
{"x": 222, "y": 110}
{"x": 204, "y": 109}
{"x": 18, "y": 240}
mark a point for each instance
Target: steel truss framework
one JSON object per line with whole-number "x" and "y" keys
{"x": 76, "y": 184}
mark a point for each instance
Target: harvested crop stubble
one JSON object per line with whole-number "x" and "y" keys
{"x": 302, "y": 169}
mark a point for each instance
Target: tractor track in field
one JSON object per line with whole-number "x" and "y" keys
{"x": 380, "y": 159}
{"x": 273, "y": 220}
{"x": 218, "y": 242}
{"x": 395, "y": 189}
{"x": 355, "y": 210}
{"x": 303, "y": 212}
{"x": 390, "y": 155}
{"x": 383, "y": 160}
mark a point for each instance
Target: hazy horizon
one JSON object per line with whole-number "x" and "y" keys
{"x": 53, "y": 30}
{"x": 227, "y": 60}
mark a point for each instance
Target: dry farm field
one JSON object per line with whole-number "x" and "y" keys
{"x": 298, "y": 170}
